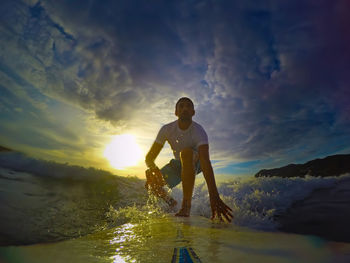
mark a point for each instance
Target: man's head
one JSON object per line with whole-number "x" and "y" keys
{"x": 184, "y": 108}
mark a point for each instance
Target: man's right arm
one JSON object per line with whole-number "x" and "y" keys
{"x": 152, "y": 154}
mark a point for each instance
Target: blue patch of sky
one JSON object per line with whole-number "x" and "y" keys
{"x": 37, "y": 11}
{"x": 338, "y": 145}
{"x": 31, "y": 91}
{"x": 249, "y": 167}
{"x": 65, "y": 58}
{"x": 13, "y": 75}
{"x": 204, "y": 83}
{"x": 8, "y": 102}
{"x": 63, "y": 32}
{"x": 98, "y": 44}
{"x": 21, "y": 123}
{"x": 82, "y": 71}
{"x": 261, "y": 22}
{"x": 5, "y": 93}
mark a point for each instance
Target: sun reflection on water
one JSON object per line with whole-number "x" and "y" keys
{"x": 123, "y": 234}
{"x": 120, "y": 259}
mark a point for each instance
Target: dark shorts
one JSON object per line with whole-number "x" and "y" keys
{"x": 172, "y": 172}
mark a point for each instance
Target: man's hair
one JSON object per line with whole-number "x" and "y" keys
{"x": 182, "y": 99}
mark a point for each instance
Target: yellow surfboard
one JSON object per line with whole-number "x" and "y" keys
{"x": 176, "y": 239}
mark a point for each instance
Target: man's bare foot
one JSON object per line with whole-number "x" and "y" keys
{"x": 185, "y": 209}
{"x": 183, "y": 212}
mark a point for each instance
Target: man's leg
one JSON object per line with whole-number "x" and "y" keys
{"x": 188, "y": 178}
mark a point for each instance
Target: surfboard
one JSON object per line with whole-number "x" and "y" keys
{"x": 183, "y": 253}
{"x": 179, "y": 239}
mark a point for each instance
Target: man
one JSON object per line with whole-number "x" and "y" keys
{"x": 189, "y": 143}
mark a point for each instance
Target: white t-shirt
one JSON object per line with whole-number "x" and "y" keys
{"x": 178, "y": 139}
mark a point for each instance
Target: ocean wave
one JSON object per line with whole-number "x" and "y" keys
{"x": 45, "y": 201}
{"x": 256, "y": 201}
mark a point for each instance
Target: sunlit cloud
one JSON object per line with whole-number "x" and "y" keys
{"x": 269, "y": 80}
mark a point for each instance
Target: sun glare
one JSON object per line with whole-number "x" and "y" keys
{"x": 123, "y": 151}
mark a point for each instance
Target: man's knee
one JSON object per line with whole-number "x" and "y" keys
{"x": 186, "y": 155}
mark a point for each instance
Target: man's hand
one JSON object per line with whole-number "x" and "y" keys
{"x": 154, "y": 179}
{"x": 220, "y": 209}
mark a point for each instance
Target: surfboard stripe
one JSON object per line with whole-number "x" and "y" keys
{"x": 184, "y": 254}
{"x": 182, "y": 259}
{"x": 193, "y": 255}
{"x": 174, "y": 259}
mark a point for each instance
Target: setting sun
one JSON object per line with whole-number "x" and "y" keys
{"x": 123, "y": 151}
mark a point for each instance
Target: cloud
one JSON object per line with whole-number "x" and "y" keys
{"x": 269, "y": 79}
{"x": 273, "y": 65}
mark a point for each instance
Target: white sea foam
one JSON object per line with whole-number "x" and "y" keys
{"x": 255, "y": 201}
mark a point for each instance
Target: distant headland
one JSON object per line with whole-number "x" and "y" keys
{"x": 333, "y": 165}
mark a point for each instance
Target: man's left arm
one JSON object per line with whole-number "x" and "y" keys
{"x": 218, "y": 207}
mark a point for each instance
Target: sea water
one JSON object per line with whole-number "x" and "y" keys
{"x": 86, "y": 209}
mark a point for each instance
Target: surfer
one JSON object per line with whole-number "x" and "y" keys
{"x": 190, "y": 146}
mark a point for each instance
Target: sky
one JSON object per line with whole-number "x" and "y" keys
{"x": 269, "y": 79}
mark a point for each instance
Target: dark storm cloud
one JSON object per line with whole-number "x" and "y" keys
{"x": 281, "y": 61}
{"x": 89, "y": 54}
{"x": 268, "y": 78}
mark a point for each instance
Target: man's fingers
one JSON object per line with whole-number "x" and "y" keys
{"x": 221, "y": 210}
{"x": 227, "y": 217}
{"x": 228, "y": 208}
{"x": 222, "y": 204}
{"x": 220, "y": 217}
{"x": 225, "y": 212}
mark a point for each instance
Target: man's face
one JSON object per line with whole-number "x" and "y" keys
{"x": 184, "y": 110}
